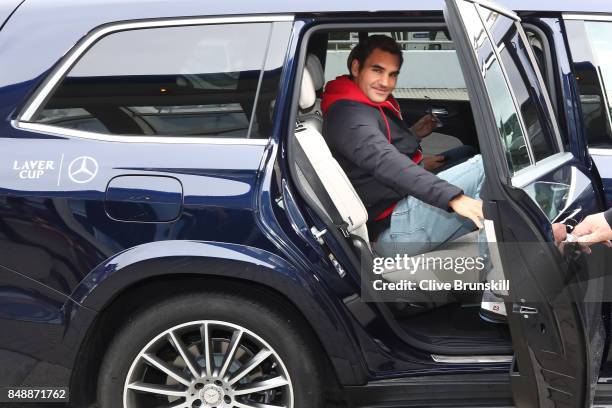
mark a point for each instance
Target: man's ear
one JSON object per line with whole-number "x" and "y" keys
{"x": 355, "y": 67}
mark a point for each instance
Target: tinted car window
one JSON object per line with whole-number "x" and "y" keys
{"x": 173, "y": 81}
{"x": 513, "y": 139}
{"x": 513, "y": 56}
{"x": 591, "y": 47}
{"x": 506, "y": 115}
{"x": 523, "y": 80}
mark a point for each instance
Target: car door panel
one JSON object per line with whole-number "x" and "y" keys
{"x": 62, "y": 221}
{"x": 557, "y": 336}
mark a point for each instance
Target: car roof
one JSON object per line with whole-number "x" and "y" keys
{"x": 61, "y": 23}
{"x": 199, "y": 7}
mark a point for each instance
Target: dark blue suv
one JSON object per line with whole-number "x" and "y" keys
{"x": 175, "y": 233}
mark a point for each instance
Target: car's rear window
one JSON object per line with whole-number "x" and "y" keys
{"x": 202, "y": 80}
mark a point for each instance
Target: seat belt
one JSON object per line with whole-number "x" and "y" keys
{"x": 319, "y": 189}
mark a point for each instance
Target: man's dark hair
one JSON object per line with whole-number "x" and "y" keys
{"x": 364, "y": 49}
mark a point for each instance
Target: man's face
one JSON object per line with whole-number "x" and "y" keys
{"x": 378, "y": 76}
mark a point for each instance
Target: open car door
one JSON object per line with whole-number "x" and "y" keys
{"x": 532, "y": 182}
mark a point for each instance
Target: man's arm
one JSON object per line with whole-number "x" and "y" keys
{"x": 352, "y": 130}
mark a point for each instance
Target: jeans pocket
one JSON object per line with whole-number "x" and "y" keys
{"x": 411, "y": 243}
{"x": 403, "y": 220}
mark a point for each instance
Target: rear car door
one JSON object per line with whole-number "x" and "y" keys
{"x": 146, "y": 131}
{"x": 532, "y": 182}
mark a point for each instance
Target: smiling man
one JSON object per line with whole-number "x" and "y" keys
{"x": 382, "y": 157}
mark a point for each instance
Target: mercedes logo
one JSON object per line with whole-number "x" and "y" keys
{"x": 212, "y": 395}
{"x": 83, "y": 169}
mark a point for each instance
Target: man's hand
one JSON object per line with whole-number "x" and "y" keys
{"x": 593, "y": 229}
{"x": 559, "y": 232}
{"x": 424, "y": 126}
{"x": 469, "y": 208}
{"x": 433, "y": 162}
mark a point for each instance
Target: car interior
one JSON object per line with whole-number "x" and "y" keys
{"x": 430, "y": 81}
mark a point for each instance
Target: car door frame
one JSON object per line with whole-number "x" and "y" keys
{"x": 601, "y": 156}
{"x": 535, "y": 381}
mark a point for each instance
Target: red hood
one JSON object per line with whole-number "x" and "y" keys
{"x": 343, "y": 88}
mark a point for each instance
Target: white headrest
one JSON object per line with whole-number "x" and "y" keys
{"x": 313, "y": 79}
{"x": 316, "y": 71}
{"x": 308, "y": 95}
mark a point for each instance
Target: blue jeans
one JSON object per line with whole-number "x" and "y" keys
{"x": 417, "y": 227}
{"x": 455, "y": 156}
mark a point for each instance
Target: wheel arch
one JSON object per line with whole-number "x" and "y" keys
{"x": 134, "y": 280}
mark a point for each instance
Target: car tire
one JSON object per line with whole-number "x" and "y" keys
{"x": 144, "y": 360}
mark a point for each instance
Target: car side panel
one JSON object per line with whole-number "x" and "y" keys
{"x": 7, "y": 8}
{"x": 38, "y": 342}
{"x": 56, "y": 231}
{"x": 255, "y": 266}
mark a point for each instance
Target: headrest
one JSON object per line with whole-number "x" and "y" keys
{"x": 316, "y": 71}
{"x": 313, "y": 79}
{"x": 308, "y": 95}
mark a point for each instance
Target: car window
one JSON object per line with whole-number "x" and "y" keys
{"x": 591, "y": 48}
{"x": 203, "y": 80}
{"x": 507, "y": 117}
{"x": 431, "y": 68}
{"x": 524, "y": 115}
{"x": 521, "y": 74}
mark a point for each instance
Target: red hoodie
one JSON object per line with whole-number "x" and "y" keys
{"x": 343, "y": 88}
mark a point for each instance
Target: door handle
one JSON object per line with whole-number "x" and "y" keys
{"x": 144, "y": 198}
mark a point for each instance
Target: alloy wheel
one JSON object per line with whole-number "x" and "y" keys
{"x": 208, "y": 364}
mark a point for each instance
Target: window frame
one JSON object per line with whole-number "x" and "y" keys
{"x": 523, "y": 176}
{"x": 595, "y": 18}
{"x": 51, "y": 83}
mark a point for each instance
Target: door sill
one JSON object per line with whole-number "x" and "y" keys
{"x": 460, "y": 390}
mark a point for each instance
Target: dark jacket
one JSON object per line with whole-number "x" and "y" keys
{"x": 608, "y": 215}
{"x": 381, "y": 170}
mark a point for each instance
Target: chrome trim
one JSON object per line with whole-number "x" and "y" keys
{"x": 470, "y": 359}
{"x": 259, "y": 81}
{"x": 587, "y": 17}
{"x": 528, "y": 175}
{"x": 497, "y": 8}
{"x": 76, "y": 52}
{"x": 595, "y": 151}
{"x": 58, "y": 131}
{"x": 517, "y": 108}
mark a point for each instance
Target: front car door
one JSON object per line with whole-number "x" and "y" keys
{"x": 533, "y": 181}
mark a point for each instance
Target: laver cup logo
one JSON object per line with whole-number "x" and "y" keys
{"x": 33, "y": 169}
{"x": 83, "y": 169}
